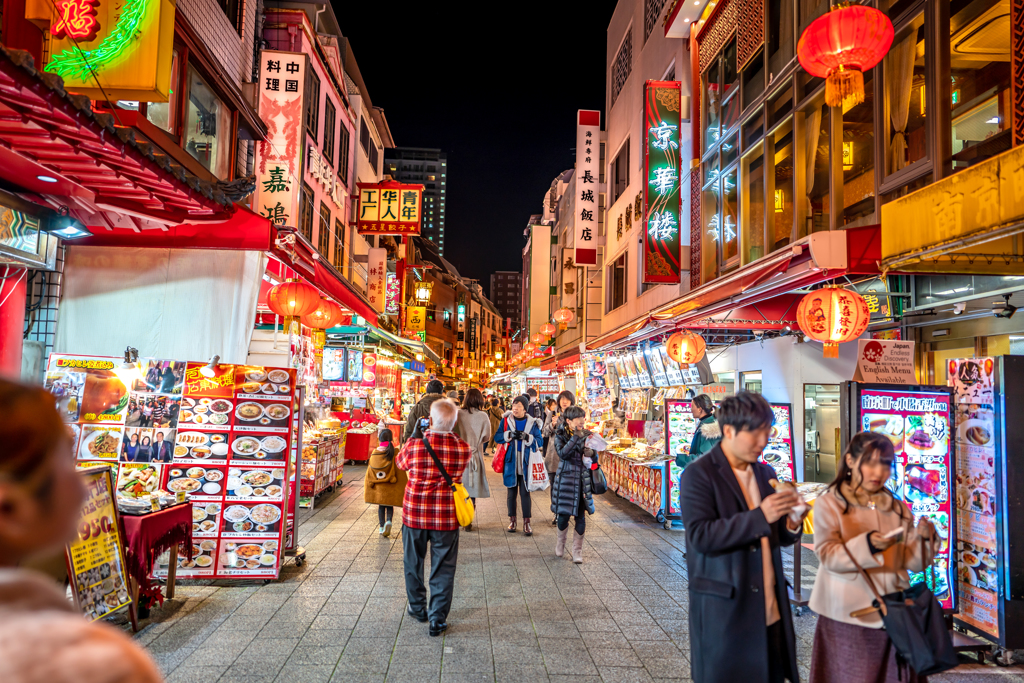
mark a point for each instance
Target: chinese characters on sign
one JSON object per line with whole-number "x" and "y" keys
{"x": 392, "y": 293}
{"x": 588, "y": 157}
{"x": 389, "y": 208}
{"x": 415, "y": 318}
{"x": 662, "y": 237}
{"x": 320, "y": 169}
{"x": 376, "y": 278}
{"x": 282, "y": 80}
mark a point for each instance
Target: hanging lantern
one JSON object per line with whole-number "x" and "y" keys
{"x": 840, "y": 46}
{"x": 293, "y": 299}
{"x": 685, "y": 347}
{"x": 563, "y": 316}
{"x": 530, "y": 348}
{"x": 833, "y": 316}
{"x": 326, "y": 315}
{"x": 548, "y": 330}
{"x": 537, "y": 338}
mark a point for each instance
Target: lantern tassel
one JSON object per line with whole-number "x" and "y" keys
{"x": 831, "y": 350}
{"x": 844, "y": 87}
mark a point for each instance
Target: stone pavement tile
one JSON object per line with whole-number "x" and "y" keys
{"x": 372, "y": 625}
{"x": 196, "y": 674}
{"x": 224, "y": 636}
{"x": 564, "y": 678}
{"x": 366, "y": 655}
{"x": 306, "y": 674}
{"x": 592, "y": 624}
{"x": 260, "y": 672}
{"x": 342, "y": 676}
{"x": 516, "y": 633}
{"x": 521, "y": 673}
{"x": 447, "y": 677}
{"x": 216, "y": 654}
{"x": 253, "y": 623}
{"x": 566, "y": 656}
{"x": 662, "y": 659}
{"x": 609, "y": 656}
{"x": 555, "y": 629}
{"x": 314, "y": 655}
{"x": 468, "y": 659}
{"x": 624, "y": 675}
{"x": 270, "y": 649}
{"x": 326, "y": 637}
{"x": 409, "y": 664}
{"x": 334, "y": 621}
{"x": 677, "y": 629}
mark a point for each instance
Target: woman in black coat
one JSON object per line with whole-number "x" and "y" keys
{"x": 572, "y": 489}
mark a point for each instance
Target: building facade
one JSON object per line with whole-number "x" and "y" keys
{"x": 506, "y": 293}
{"x": 429, "y": 168}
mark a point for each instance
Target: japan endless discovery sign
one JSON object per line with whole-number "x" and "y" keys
{"x": 389, "y": 208}
{"x": 588, "y": 159}
{"x": 662, "y": 238}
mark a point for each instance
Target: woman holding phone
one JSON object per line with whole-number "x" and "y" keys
{"x": 857, "y": 518}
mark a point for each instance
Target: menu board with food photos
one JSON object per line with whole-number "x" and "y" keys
{"x": 658, "y": 374}
{"x": 674, "y": 376}
{"x": 917, "y": 419}
{"x": 599, "y": 397}
{"x": 779, "y": 451}
{"x": 643, "y": 376}
{"x": 222, "y": 436}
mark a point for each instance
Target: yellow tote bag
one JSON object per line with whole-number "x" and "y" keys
{"x": 464, "y": 511}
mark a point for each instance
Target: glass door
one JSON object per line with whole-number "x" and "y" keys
{"x": 821, "y": 431}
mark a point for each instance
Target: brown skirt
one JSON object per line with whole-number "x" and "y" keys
{"x": 855, "y": 654}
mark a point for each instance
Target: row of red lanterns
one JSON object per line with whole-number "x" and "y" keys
{"x": 300, "y": 300}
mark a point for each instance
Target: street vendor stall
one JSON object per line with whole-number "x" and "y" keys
{"x": 323, "y": 462}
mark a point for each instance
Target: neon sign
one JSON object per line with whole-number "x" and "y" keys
{"x": 77, "y": 20}
{"x": 78, "y": 63}
{"x": 662, "y": 259}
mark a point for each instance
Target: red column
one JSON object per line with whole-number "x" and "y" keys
{"x": 12, "y": 321}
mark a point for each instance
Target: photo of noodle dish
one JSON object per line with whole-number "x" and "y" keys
{"x": 100, "y": 443}
{"x": 249, "y": 411}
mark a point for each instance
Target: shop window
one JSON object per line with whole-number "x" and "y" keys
{"x": 622, "y": 65}
{"x": 729, "y": 238}
{"x": 306, "y": 226}
{"x": 730, "y": 148}
{"x": 323, "y": 237}
{"x": 780, "y": 104}
{"x": 858, "y": 150}
{"x": 330, "y": 123}
{"x": 751, "y": 381}
{"x": 781, "y": 152}
{"x": 712, "y": 105}
{"x": 617, "y": 282}
{"x": 208, "y": 134}
{"x": 752, "y": 207}
{"x": 231, "y": 8}
{"x": 904, "y": 190}
{"x": 448, "y": 318}
{"x": 339, "y": 244}
{"x": 432, "y": 312}
{"x": 816, "y": 173}
{"x": 730, "y": 75}
{"x": 809, "y": 10}
{"x": 780, "y": 34}
{"x": 907, "y": 139}
{"x": 753, "y": 129}
{"x": 730, "y": 114}
{"x": 753, "y": 78}
{"x": 312, "y": 104}
{"x": 619, "y": 171}
{"x": 364, "y": 137}
{"x": 163, "y": 115}
{"x": 711, "y": 210}
{"x": 981, "y": 102}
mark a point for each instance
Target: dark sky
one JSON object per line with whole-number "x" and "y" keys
{"x": 497, "y": 89}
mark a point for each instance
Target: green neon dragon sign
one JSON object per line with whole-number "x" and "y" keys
{"x": 80, "y": 64}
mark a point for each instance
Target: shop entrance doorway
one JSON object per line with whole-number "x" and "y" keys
{"x": 821, "y": 431}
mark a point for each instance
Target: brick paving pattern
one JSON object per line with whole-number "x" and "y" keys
{"x": 519, "y": 615}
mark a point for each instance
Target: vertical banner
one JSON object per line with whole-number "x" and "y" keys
{"x": 392, "y": 294}
{"x": 588, "y": 158}
{"x": 376, "y": 278}
{"x": 662, "y": 251}
{"x": 281, "y": 85}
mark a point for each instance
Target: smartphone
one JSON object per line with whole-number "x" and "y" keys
{"x": 896, "y": 533}
{"x": 424, "y": 422}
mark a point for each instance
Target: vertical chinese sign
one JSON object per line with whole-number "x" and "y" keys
{"x": 393, "y": 291}
{"x": 376, "y": 278}
{"x": 662, "y": 242}
{"x": 588, "y": 159}
{"x": 281, "y": 85}
{"x": 389, "y": 208}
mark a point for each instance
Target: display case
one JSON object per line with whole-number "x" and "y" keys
{"x": 322, "y": 465}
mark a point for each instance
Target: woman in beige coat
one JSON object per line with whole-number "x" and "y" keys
{"x": 42, "y": 637}
{"x": 857, "y": 514}
{"x": 385, "y": 484}
{"x": 474, "y": 427}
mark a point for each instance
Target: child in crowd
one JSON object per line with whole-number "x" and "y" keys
{"x": 385, "y": 483}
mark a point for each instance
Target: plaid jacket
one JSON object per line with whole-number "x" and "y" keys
{"x": 428, "y": 502}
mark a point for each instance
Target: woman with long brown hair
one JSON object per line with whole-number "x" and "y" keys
{"x": 858, "y": 521}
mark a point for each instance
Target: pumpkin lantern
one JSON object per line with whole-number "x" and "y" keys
{"x": 833, "y": 316}
{"x": 685, "y": 347}
{"x": 840, "y": 46}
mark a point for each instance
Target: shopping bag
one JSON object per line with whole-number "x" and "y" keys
{"x": 598, "y": 482}
{"x": 595, "y": 443}
{"x": 538, "y": 472}
{"x": 498, "y": 460}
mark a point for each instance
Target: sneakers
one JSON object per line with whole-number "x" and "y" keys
{"x": 385, "y": 530}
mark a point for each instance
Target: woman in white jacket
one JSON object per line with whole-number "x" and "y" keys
{"x": 859, "y": 512}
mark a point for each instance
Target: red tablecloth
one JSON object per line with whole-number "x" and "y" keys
{"x": 146, "y": 536}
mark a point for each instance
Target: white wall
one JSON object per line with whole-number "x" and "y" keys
{"x": 785, "y": 369}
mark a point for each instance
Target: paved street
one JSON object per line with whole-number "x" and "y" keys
{"x": 520, "y": 614}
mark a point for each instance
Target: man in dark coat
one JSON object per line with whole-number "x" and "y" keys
{"x": 422, "y": 409}
{"x": 741, "y": 628}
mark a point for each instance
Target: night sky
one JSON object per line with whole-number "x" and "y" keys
{"x": 500, "y": 99}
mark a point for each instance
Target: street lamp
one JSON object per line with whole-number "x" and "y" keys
{"x": 497, "y": 355}
{"x": 422, "y": 292}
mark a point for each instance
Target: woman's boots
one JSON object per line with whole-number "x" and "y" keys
{"x": 577, "y": 547}
{"x": 527, "y": 529}
{"x": 511, "y": 528}
{"x": 560, "y": 542}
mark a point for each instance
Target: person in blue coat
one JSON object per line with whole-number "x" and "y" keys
{"x": 522, "y": 434}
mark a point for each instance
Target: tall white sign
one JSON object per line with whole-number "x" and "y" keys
{"x": 376, "y": 278}
{"x": 588, "y": 159}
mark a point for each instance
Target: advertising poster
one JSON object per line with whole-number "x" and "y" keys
{"x": 976, "y": 497}
{"x": 96, "y": 565}
{"x": 658, "y": 374}
{"x": 599, "y": 396}
{"x": 672, "y": 371}
{"x": 918, "y": 424}
{"x": 637, "y": 362}
{"x": 779, "y": 451}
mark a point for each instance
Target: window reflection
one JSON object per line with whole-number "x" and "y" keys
{"x": 208, "y": 128}
{"x": 162, "y": 114}
{"x": 752, "y": 211}
{"x": 730, "y": 222}
{"x": 905, "y": 93}
{"x": 710, "y": 204}
{"x": 859, "y": 160}
{"x": 782, "y": 201}
{"x": 816, "y": 145}
{"x": 712, "y": 105}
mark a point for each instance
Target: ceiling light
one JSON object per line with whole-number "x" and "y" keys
{"x": 994, "y": 119}
{"x": 66, "y": 228}
{"x": 46, "y": 178}
{"x": 210, "y": 369}
{"x": 1004, "y": 309}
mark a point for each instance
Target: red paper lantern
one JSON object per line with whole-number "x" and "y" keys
{"x": 293, "y": 299}
{"x": 537, "y": 338}
{"x": 833, "y": 316}
{"x": 563, "y": 316}
{"x": 548, "y": 330}
{"x": 326, "y": 315}
{"x": 840, "y": 45}
{"x": 685, "y": 347}
{"x": 530, "y": 348}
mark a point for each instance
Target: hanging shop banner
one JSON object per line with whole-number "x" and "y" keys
{"x": 389, "y": 208}
{"x": 885, "y": 362}
{"x": 224, "y": 441}
{"x": 369, "y": 370}
{"x": 109, "y": 49}
{"x": 876, "y": 295}
{"x": 415, "y": 318}
{"x": 96, "y": 555}
{"x": 376, "y": 278}
{"x": 282, "y": 82}
{"x": 588, "y": 162}
{"x": 392, "y": 292}
{"x": 662, "y": 236}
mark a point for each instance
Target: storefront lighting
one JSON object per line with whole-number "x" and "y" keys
{"x": 780, "y": 201}
{"x": 422, "y": 292}
{"x": 847, "y": 156}
{"x": 497, "y": 355}
{"x": 67, "y": 228}
{"x": 128, "y": 371}
{"x": 419, "y": 356}
{"x": 46, "y": 178}
{"x": 210, "y": 369}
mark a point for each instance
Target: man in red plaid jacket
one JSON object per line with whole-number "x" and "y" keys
{"x": 428, "y": 515}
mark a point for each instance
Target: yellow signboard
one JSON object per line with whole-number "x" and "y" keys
{"x": 389, "y": 208}
{"x": 109, "y": 49}
{"x": 963, "y": 223}
{"x": 415, "y": 318}
{"x": 96, "y": 565}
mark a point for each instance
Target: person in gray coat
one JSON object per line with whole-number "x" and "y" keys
{"x": 573, "y": 490}
{"x": 474, "y": 427}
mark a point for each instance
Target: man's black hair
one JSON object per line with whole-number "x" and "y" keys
{"x": 531, "y": 392}
{"x": 572, "y": 412}
{"x": 745, "y": 411}
{"x": 435, "y": 386}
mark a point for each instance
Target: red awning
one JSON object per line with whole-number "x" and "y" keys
{"x": 243, "y": 231}
{"x": 46, "y": 131}
{"x": 330, "y": 282}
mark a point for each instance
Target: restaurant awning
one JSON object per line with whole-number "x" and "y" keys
{"x": 414, "y": 345}
{"x": 53, "y": 144}
{"x": 243, "y": 231}
{"x": 970, "y": 222}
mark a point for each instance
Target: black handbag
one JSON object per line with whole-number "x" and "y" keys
{"x": 598, "y": 482}
{"x": 914, "y": 623}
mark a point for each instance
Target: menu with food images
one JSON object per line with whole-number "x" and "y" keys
{"x": 974, "y": 394}
{"x": 658, "y": 374}
{"x": 96, "y": 566}
{"x": 680, "y": 427}
{"x": 643, "y": 376}
{"x": 779, "y": 451}
{"x": 597, "y": 391}
{"x": 672, "y": 372}
{"x": 641, "y": 484}
{"x": 917, "y": 421}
